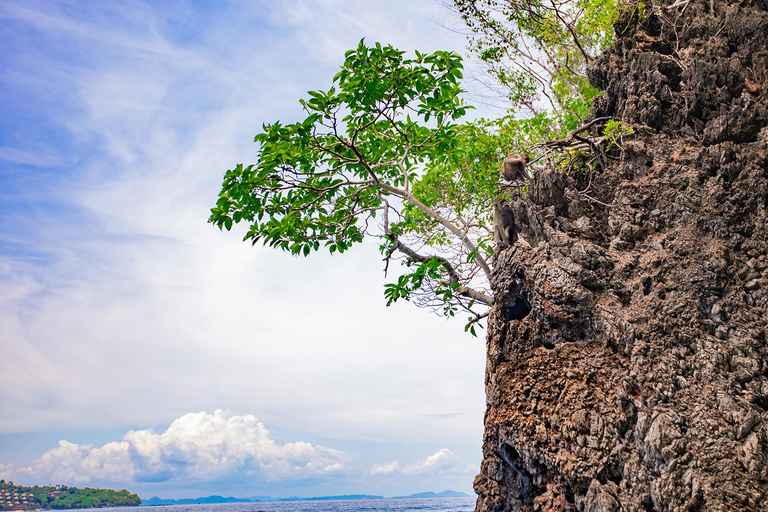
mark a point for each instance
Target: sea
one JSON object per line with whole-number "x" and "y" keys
{"x": 370, "y": 505}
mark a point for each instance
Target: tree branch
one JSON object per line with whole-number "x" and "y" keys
{"x": 463, "y": 290}
{"x": 442, "y": 220}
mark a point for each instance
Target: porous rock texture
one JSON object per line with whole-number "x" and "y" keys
{"x": 638, "y": 380}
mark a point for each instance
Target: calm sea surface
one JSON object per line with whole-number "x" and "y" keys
{"x": 380, "y": 505}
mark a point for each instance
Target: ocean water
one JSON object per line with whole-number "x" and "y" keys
{"x": 377, "y": 505}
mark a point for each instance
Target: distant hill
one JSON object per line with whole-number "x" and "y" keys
{"x": 221, "y": 499}
{"x": 261, "y": 498}
{"x": 444, "y": 494}
{"x": 343, "y": 497}
{"x": 207, "y": 500}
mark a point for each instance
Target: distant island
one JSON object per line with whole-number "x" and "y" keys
{"x": 61, "y": 497}
{"x": 444, "y": 494}
{"x": 221, "y": 499}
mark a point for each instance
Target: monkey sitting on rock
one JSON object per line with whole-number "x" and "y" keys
{"x": 513, "y": 167}
{"x": 503, "y": 224}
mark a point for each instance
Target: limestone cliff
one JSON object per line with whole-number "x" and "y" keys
{"x": 639, "y": 378}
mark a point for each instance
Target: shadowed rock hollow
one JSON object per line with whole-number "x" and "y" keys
{"x": 638, "y": 379}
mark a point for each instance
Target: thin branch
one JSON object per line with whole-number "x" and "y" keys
{"x": 597, "y": 150}
{"x": 679, "y": 3}
{"x": 442, "y": 220}
{"x": 587, "y": 57}
{"x": 454, "y": 278}
{"x": 597, "y": 201}
{"x": 476, "y": 319}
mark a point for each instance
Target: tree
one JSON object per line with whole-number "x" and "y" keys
{"x": 381, "y": 153}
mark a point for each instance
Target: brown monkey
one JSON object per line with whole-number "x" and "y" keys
{"x": 503, "y": 223}
{"x": 513, "y": 167}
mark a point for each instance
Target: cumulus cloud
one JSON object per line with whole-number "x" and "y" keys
{"x": 386, "y": 468}
{"x": 196, "y": 447}
{"x": 443, "y": 462}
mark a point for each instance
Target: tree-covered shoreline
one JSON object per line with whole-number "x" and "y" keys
{"x": 62, "y": 497}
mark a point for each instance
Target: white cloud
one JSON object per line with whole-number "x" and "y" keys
{"x": 77, "y": 464}
{"x": 441, "y": 463}
{"x": 388, "y": 468}
{"x": 196, "y": 447}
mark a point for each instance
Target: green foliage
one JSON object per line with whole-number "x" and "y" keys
{"x": 379, "y": 153}
{"x": 94, "y": 498}
{"x": 314, "y": 180}
{"x": 641, "y": 10}
{"x": 614, "y": 131}
{"x": 409, "y": 283}
{"x": 538, "y": 50}
{"x": 63, "y": 497}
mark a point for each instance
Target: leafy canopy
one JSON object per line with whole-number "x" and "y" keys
{"x": 379, "y": 154}
{"x": 315, "y": 180}
{"x": 382, "y": 153}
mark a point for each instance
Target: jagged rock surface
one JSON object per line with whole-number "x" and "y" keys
{"x": 639, "y": 378}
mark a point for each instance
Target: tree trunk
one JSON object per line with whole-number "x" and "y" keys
{"x": 638, "y": 378}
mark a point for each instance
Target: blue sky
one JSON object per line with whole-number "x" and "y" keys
{"x": 142, "y": 348}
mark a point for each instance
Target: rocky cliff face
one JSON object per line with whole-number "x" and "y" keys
{"x": 638, "y": 380}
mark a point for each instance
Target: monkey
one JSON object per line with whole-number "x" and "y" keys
{"x": 513, "y": 167}
{"x": 503, "y": 223}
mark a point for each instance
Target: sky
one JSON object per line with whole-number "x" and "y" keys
{"x": 144, "y": 349}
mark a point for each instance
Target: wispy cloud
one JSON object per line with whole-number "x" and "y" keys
{"x": 18, "y": 156}
{"x": 196, "y": 447}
